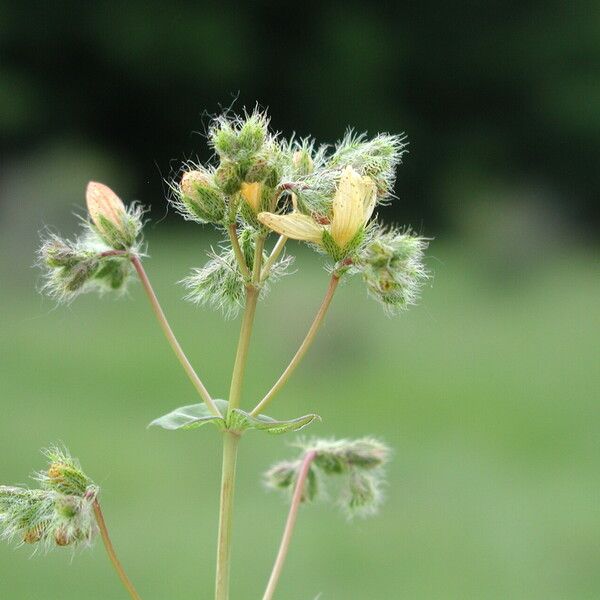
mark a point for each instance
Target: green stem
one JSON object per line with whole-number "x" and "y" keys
{"x": 231, "y": 439}
{"x": 308, "y": 340}
{"x": 235, "y": 244}
{"x": 175, "y": 345}
{"x": 289, "y": 525}
{"x": 110, "y": 550}
{"x": 273, "y": 257}
{"x": 230, "y": 450}
{"x": 235, "y": 390}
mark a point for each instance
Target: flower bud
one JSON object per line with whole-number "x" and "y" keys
{"x": 239, "y": 139}
{"x": 302, "y": 162}
{"x": 79, "y": 275}
{"x": 104, "y": 206}
{"x": 253, "y": 133}
{"x": 362, "y": 495}
{"x": 67, "y": 479}
{"x": 61, "y": 537}
{"x": 57, "y": 253}
{"x": 258, "y": 171}
{"x": 282, "y": 475}
{"x": 227, "y": 177}
{"x": 201, "y": 197}
{"x": 392, "y": 268}
{"x": 117, "y": 227}
{"x": 34, "y": 535}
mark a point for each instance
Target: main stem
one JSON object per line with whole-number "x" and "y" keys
{"x": 308, "y": 340}
{"x": 289, "y": 525}
{"x": 175, "y": 345}
{"x": 110, "y": 550}
{"x": 230, "y": 439}
{"x": 230, "y": 450}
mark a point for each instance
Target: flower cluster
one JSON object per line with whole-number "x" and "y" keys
{"x": 359, "y": 464}
{"x": 58, "y": 513}
{"x": 99, "y": 258}
{"x": 321, "y": 195}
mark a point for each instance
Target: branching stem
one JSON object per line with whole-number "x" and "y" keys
{"x": 175, "y": 345}
{"x": 235, "y": 244}
{"x": 230, "y": 439}
{"x": 110, "y": 550}
{"x": 310, "y": 336}
{"x": 290, "y": 524}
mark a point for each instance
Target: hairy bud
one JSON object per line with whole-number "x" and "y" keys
{"x": 361, "y": 495}
{"x": 116, "y": 226}
{"x": 59, "y": 514}
{"x": 302, "y": 162}
{"x": 392, "y": 267}
{"x": 58, "y": 253}
{"x": 359, "y": 463}
{"x": 200, "y": 198}
{"x": 282, "y": 475}
{"x": 64, "y": 475}
{"x": 61, "y": 537}
{"x": 227, "y": 177}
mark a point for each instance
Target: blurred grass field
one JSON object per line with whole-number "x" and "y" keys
{"x": 487, "y": 391}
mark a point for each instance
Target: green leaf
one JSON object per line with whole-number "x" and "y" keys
{"x": 240, "y": 420}
{"x": 192, "y": 417}
{"x": 197, "y": 415}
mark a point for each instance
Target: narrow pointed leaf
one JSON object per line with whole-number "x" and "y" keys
{"x": 240, "y": 420}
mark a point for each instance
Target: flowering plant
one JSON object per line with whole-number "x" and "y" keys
{"x": 259, "y": 184}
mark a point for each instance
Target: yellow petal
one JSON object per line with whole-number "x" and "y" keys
{"x": 294, "y": 225}
{"x": 251, "y": 193}
{"x": 353, "y": 205}
{"x": 103, "y": 202}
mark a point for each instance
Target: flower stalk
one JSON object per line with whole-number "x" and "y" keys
{"x": 112, "y": 555}
{"x": 168, "y": 331}
{"x": 275, "y": 253}
{"x": 304, "y": 346}
{"x": 290, "y": 524}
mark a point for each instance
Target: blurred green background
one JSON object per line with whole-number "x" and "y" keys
{"x": 487, "y": 391}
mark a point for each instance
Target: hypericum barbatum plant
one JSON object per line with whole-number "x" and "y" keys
{"x": 258, "y": 184}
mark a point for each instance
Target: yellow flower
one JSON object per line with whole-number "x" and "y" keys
{"x": 251, "y": 193}
{"x": 353, "y": 205}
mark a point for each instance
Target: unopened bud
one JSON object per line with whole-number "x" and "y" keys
{"x": 282, "y": 475}
{"x": 67, "y": 479}
{"x": 201, "y": 197}
{"x": 33, "y": 535}
{"x": 80, "y": 274}
{"x": 362, "y": 496}
{"x": 57, "y": 253}
{"x": 303, "y": 162}
{"x": 104, "y": 205}
{"x": 253, "y": 133}
{"x": 61, "y": 537}
{"x": 258, "y": 171}
{"x": 227, "y": 177}
{"x": 114, "y": 224}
